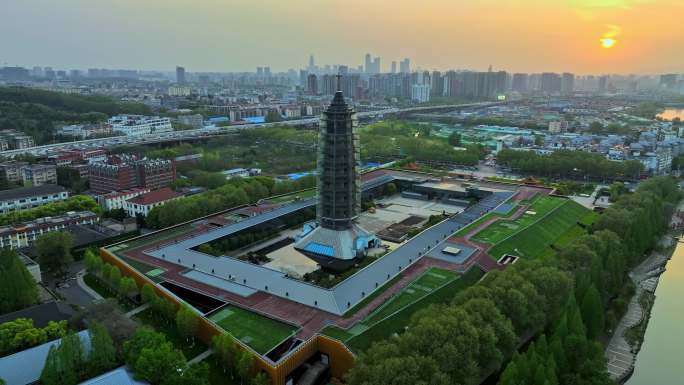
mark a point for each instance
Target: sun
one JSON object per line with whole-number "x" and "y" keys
{"x": 608, "y": 42}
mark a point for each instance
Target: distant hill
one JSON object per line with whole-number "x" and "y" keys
{"x": 38, "y": 112}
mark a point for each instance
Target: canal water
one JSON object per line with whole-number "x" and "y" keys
{"x": 660, "y": 361}
{"x": 672, "y": 113}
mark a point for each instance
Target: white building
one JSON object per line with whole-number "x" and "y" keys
{"x": 115, "y": 200}
{"x": 143, "y": 204}
{"x": 420, "y": 93}
{"x": 180, "y": 91}
{"x": 29, "y": 197}
{"x": 140, "y": 125}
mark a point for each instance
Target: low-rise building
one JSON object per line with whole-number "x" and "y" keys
{"x": 143, "y": 204}
{"x": 139, "y": 124}
{"x": 25, "y": 234}
{"x": 124, "y": 172}
{"x": 39, "y": 174}
{"x": 16, "y": 139}
{"x": 10, "y": 172}
{"x": 29, "y": 197}
{"x": 115, "y": 200}
{"x": 84, "y": 131}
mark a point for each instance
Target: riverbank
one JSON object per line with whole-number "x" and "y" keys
{"x": 624, "y": 345}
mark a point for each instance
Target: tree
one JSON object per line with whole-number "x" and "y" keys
{"x": 226, "y": 350}
{"x": 273, "y": 116}
{"x": 243, "y": 363}
{"x": 592, "y": 313}
{"x": 102, "y": 352}
{"x": 187, "y": 322}
{"x": 196, "y": 374}
{"x": 390, "y": 189}
{"x": 114, "y": 277}
{"x": 455, "y": 139}
{"x": 17, "y": 287}
{"x": 143, "y": 337}
{"x": 54, "y": 252}
{"x": 154, "y": 364}
{"x": 127, "y": 286}
{"x": 261, "y": 379}
{"x": 65, "y": 363}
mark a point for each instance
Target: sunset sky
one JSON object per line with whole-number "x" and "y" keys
{"x": 580, "y": 36}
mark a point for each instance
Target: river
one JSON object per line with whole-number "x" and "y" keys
{"x": 660, "y": 360}
{"x": 672, "y": 113}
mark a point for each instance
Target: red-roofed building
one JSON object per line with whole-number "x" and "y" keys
{"x": 144, "y": 203}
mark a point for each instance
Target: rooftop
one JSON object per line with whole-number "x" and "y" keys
{"x": 24, "y": 192}
{"x": 156, "y": 196}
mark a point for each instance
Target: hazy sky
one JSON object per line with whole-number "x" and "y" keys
{"x": 647, "y": 36}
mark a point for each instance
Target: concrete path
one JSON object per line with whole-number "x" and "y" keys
{"x": 137, "y": 310}
{"x": 81, "y": 283}
{"x": 201, "y": 356}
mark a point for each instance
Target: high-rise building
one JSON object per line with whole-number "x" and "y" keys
{"x": 180, "y": 75}
{"x": 603, "y": 84}
{"x": 550, "y": 83}
{"x": 520, "y": 82}
{"x": 260, "y": 71}
{"x": 668, "y": 81}
{"x": 312, "y": 63}
{"x": 405, "y": 66}
{"x": 436, "y": 84}
{"x": 394, "y": 66}
{"x": 312, "y": 84}
{"x": 568, "y": 84}
{"x": 267, "y": 71}
{"x": 337, "y": 241}
{"x": 376, "y": 65}
{"x": 369, "y": 64}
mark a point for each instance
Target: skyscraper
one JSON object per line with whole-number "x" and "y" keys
{"x": 312, "y": 63}
{"x": 520, "y": 82}
{"x": 180, "y": 75}
{"x": 405, "y": 66}
{"x": 550, "y": 83}
{"x": 376, "y": 65}
{"x": 368, "y": 63}
{"x": 568, "y": 83}
{"x": 337, "y": 241}
{"x": 394, "y": 66}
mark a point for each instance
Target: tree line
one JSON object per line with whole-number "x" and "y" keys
{"x": 37, "y": 112}
{"x": 74, "y": 203}
{"x": 17, "y": 287}
{"x": 236, "y": 192}
{"x": 21, "y": 334}
{"x": 569, "y": 164}
{"x": 561, "y": 299}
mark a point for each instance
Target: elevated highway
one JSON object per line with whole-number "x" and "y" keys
{"x": 218, "y": 131}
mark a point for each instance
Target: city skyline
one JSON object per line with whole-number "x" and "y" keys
{"x": 579, "y": 36}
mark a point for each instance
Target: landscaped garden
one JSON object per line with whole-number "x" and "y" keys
{"x": 502, "y": 229}
{"x": 536, "y": 238}
{"x": 434, "y": 286}
{"x": 259, "y": 332}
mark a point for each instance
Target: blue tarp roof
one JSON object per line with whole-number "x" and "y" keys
{"x": 317, "y": 248}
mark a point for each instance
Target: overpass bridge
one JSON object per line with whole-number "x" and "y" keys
{"x": 201, "y": 133}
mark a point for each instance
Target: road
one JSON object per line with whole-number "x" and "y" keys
{"x": 69, "y": 289}
{"x": 209, "y": 132}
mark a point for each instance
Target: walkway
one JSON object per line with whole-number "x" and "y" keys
{"x": 81, "y": 283}
{"x": 621, "y": 356}
{"x": 201, "y": 356}
{"x": 137, "y": 310}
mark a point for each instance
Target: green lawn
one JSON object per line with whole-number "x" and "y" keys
{"x": 535, "y": 240}
{"x": 336, "y": 333}
{"x": 421, "y": 287}
{"x": 102, "y": 288}
{"x": 149, "y": 318}
{"x": 502, "y": 229}
{"x": 399, "y": 320}
{"x": 371, "y": 297}
{"x": 486, "y": 217}
{"x": 148, "y": 240}
{"x": 260, "y": 333}
{"x": 152, "y": 272}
